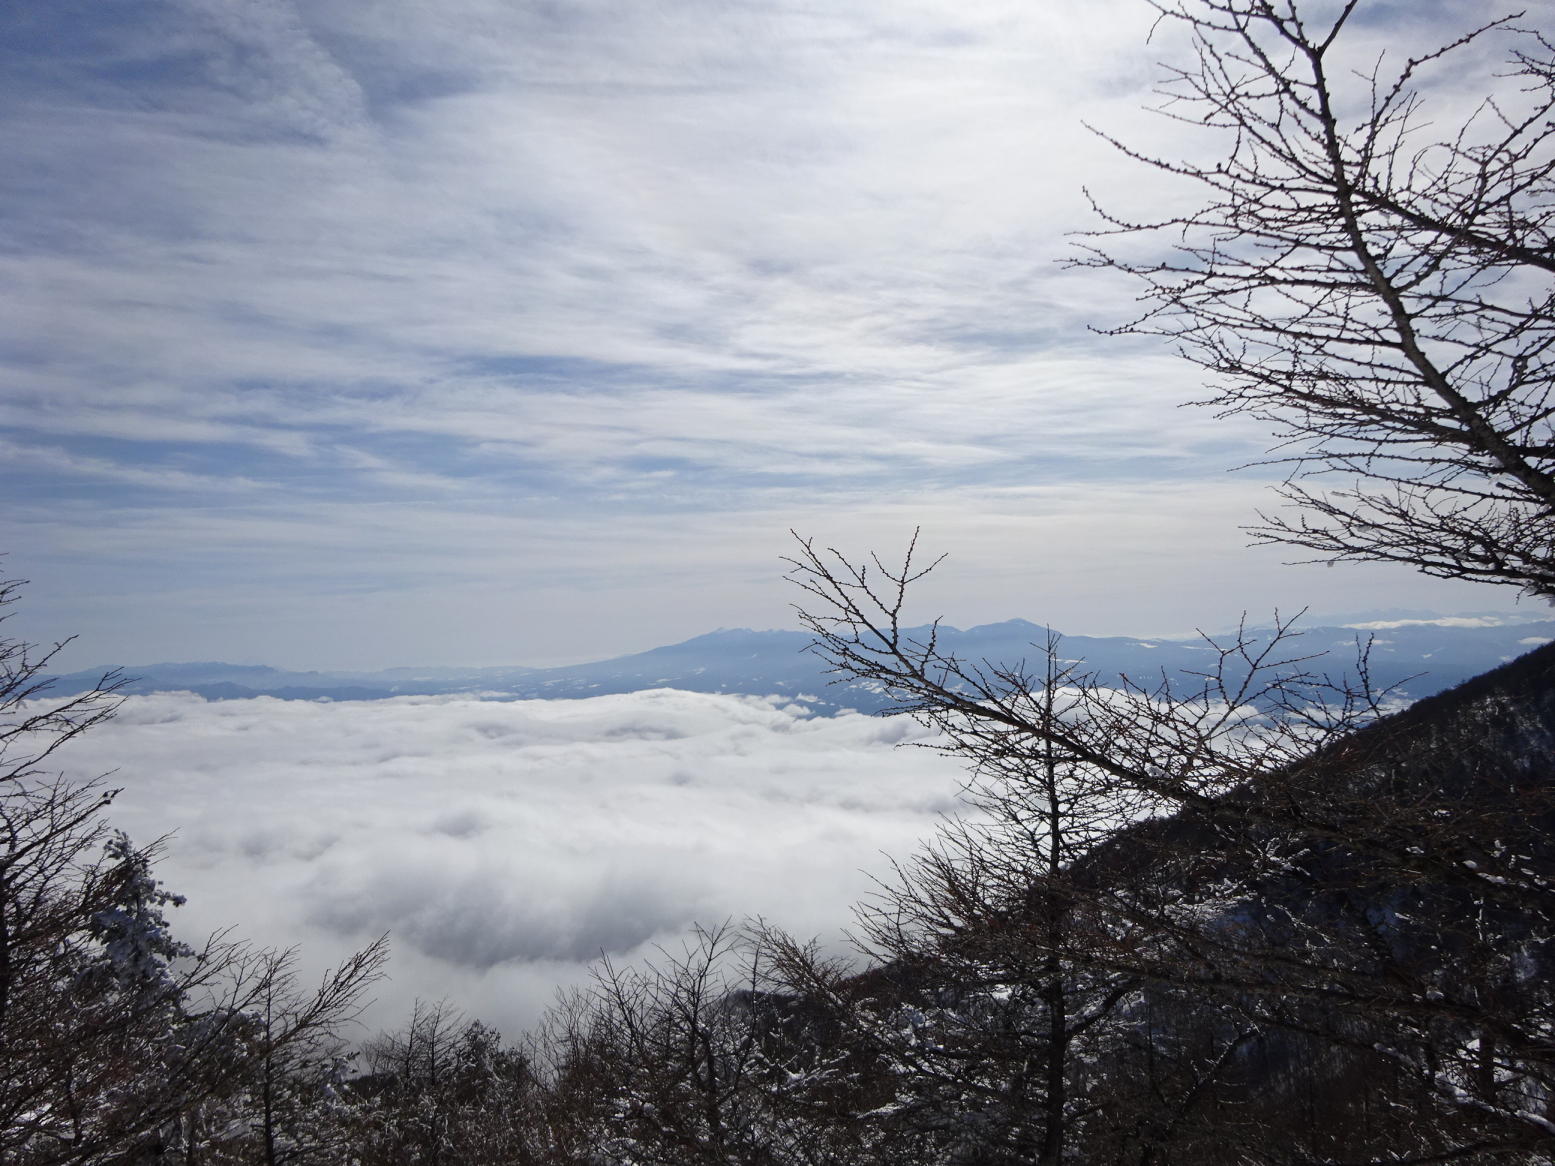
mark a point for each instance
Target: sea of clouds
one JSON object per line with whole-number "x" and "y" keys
{"x": 506, "y": 845}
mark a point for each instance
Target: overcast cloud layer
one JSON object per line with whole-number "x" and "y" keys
{"x": 505, "y": 845}
{"x": 351, "y": 333}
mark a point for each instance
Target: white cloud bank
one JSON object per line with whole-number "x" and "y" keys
{"x": 505, "y": 845}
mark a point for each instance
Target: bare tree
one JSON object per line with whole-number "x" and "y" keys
{"x": 1371, "y": 274}
{"x": 1257, "y": 705}
{"x": 445, "y": 1089}
{"x": 572, "y": 1054}
{"x": 686, "y": 1034}
{"x": 295, "y": 1045}
{"x": 1026, "y": 981}
{"x": 117, "y": 1040}
{"x": 1021, "y": 972}
{"x": 1252, "y": 847}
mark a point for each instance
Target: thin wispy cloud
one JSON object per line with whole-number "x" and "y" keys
{"x": 497, "y": 270}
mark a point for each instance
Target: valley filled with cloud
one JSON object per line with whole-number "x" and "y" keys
{"x": 505, "y": 845}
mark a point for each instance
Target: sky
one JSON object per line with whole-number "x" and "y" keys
{"x": 506, "y": 845}
{"x": 359, "y": 333}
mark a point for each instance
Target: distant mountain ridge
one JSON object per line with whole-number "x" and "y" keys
{"x": 1421, "y": 655}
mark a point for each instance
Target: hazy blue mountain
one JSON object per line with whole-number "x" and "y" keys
{"x": 1421, "y": 654}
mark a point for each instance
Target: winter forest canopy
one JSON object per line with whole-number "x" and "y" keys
{"x": 1247, "y": 913}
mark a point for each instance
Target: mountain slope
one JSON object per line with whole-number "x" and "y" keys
{"x": 1419, "y": 657}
